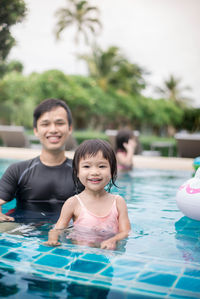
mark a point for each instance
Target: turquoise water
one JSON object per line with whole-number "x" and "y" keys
{"x": 160, "y": 259}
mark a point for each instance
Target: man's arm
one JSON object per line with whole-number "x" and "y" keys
{"x": 8, "y": 186}
{"x": 4, "y": 217}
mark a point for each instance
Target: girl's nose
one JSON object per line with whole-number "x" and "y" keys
{"x": 95, "y": 170}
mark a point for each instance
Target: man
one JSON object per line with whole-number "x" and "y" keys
{"x": 41, "y": 185}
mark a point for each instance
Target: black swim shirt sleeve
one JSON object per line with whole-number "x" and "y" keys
{"x": 9, "y": 182}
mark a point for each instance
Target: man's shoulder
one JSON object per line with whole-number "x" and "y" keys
{"x": 68, "y": 163}
{"x": 21, "y": 165}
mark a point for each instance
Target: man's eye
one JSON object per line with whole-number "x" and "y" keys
{"x": 60, "y": 124}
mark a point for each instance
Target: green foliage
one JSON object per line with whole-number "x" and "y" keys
{"x": 11, "y": 13}
{"x": 86, "y": 134}
{"x": 191, "y": 120}
{"x": 16, "y": 100}
{"x": 91, "y": 106}
{"x": 111, "y": 69}
{"x": 14, "y": 65}
{"x": 171, "y": 90}
{"x": 160, "y": 113}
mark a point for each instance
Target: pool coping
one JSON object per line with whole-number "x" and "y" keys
{"x": 168, "y": 163}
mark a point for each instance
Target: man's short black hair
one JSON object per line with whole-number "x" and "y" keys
{"x": 48, "y": 105}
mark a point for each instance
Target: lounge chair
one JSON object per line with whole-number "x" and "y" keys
{"x": 14, "y": 136}
{"x": 188, "y": 145}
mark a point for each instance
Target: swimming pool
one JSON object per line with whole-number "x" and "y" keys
{"x": 160, "y": 259}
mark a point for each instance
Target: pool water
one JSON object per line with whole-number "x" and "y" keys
{"x": 160, "y": 259}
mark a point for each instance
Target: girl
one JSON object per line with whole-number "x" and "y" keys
{"x": 98, "y": 216}
{"x": 125, "y": 149}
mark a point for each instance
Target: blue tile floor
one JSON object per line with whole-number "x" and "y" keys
{"x": 132, "y": 275}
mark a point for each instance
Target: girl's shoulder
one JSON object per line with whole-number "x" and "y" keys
{"x": 120, "y": 201}
{"x": 71, "y": 201}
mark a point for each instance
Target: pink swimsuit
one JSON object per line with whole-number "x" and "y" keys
{"x": 92, "y": 228}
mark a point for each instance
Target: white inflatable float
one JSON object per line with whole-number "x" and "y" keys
{"x": 188, "y": 197}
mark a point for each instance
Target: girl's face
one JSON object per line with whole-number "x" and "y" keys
{"x": 94, "y": 172}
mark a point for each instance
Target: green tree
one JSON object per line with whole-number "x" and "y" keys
{"x": 16, "y": 99}
{"x": 111, "y": 68}
{"x": 80, "y": 14}
{"x": 172, "y": 90}
{"x": 191, "y": 120}
{"x": 11, "y": 13}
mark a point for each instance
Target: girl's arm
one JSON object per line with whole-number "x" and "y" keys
{"x": 124, "y": 226}
{"x": 127, "y": 159}
{"x": 66, "y": 214}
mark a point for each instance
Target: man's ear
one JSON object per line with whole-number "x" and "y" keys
{"x": 35, "y": 132}
{"x": 70, "y": 130}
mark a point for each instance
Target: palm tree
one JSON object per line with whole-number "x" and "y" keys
{"x": 110, "y": 67}
{"x": 80, "y": 14}
{"x": 171, "y": 90}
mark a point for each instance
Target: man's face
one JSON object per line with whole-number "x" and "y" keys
{"x": 53, "y": 129}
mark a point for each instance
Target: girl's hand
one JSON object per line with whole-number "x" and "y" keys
{"x": 52, "y": 243}
{"x": 131, "y": 145}
{"x": 108, "y": 244}
{"x": 53, "y": 238}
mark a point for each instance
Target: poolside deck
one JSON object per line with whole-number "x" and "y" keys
{"x": 170, "y": 163}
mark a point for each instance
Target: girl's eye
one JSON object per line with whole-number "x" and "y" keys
{"x": 86, "y": 166}
{"x": 102, "y": 166}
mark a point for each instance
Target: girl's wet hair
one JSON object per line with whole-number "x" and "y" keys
{"x": 123, "y": 136}
{"x": 90, "y": 148}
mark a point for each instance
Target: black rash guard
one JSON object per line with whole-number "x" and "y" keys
{"x": 40, "y": 190}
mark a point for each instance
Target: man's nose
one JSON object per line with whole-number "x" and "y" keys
{"x": 52, "y": 127}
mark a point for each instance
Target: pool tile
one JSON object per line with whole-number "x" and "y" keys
{"x": 189, "y": 283}
{"x": 12, "y": 256}
{"x": 166, "y": 268}
{"x": 7, "y": 243}
{"x": 3, "y": 250}
{"x": 192, "y": 272}
{"x": 40, "y": 272}
{"x": 21, "y": 256}
{"x": 96, "y": 257}
{"x": 53, "y": 261}
{"x": 43, "y": 248}
{"x": 77, "y": 278}
{"x": 129, "y": 263}
{"x": 102, "y": 282}
{"x": 5, "y": 266}
{"x": 160, "y": 279}
{"x": 107, "y": 272}
{"x": 144, "y": 293}
{"x": 120, "y": 272}
{"x": 86, "y": 266}
{"x": 183, "y": 296}
{"x": 66, "y": 252}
